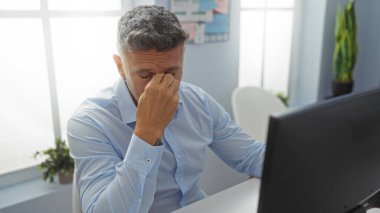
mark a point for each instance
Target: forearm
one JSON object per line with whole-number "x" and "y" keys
{"x": 130, "y": 191}
{"x": 128, "y": 186}
{"x": 242, "y": 153}
{"x": 235, "y": 147}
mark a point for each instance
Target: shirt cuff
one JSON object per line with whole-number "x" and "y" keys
{"x": 143, "y": 156}
{"x": 259, "y": 163}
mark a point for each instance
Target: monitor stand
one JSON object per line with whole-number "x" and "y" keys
{"x": 370, "y": 203}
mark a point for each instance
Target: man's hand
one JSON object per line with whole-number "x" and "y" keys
{"x": 156, "y": 107}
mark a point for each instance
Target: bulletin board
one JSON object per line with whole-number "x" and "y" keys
{"x": 204, "y": 20}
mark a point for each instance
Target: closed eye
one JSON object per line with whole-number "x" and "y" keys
{"x": 145, "y": 74}
{"x": 146, "y": 77}
{"x": 172, "y": 72}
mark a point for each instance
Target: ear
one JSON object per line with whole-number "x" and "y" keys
{"x": 119, "y": 65}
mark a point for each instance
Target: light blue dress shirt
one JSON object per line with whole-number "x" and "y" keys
{"x": 118, "y": 172}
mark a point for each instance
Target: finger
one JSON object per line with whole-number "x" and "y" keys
{"x": 157, "y": 78}
{"x": 167, "y": 80}
{"x": 171, "y": 82}
{"x": 175, "y": 85}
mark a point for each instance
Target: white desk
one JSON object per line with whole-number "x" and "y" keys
{"x": 242, "y": 198}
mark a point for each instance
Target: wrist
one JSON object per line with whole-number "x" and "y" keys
{"x": 148, "y": 135}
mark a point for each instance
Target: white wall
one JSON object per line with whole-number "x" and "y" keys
{"x": 306, "y": 52}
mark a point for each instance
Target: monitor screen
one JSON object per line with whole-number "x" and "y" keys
{"x": 324, "y": 158}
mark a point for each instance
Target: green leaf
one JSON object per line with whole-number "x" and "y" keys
{"x": 346, "y": 45}
{"x": 57, "y": 160}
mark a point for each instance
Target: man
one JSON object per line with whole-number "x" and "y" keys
{"x": 139, "y": 146}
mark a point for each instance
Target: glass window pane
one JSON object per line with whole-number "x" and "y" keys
{"x": 84, "y": 4}
{"x": 83, "y": 49}
{"x": 252, "y": 3}
{"x": 280, "y": 3}
{"x": 25, "y": 112}
{"x": 20, "y": 5}
{"x": 251, "y": 47}
{"x": 277, "y": 55}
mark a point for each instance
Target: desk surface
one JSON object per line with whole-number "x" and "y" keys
{"x": 242, "y": 198}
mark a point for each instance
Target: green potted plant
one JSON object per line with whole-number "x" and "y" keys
{"x": 57, "y": 161}
{"x": 346, "y": 49}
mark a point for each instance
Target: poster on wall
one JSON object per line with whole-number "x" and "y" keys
{"x": 204, "y": 20}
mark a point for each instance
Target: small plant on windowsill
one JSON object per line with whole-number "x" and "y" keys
{"x": 57, "y": 161}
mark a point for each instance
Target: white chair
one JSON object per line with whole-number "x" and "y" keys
{"x": 251, "y": 108}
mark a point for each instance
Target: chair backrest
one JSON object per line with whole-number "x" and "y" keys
{"x": 251, "y": 108}
{"x": 75, "y": 197}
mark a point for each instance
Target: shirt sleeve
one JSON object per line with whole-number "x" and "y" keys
{"x": 232, "y": 145}
{"x": 107, "y": 183}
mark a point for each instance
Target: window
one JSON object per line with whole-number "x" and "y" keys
{"x": 265, "y": 43}
{"x": 53, "y": 55}
{"x": 25, "y": 113}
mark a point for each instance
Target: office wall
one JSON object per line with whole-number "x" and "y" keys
{"x": 306, "y": 52}
{"x": 367, "y": 70}
{"x": 367, "y": 74}
{"x": 328, "y": 50}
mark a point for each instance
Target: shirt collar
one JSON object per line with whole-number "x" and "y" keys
{"x": 126, "y": 104}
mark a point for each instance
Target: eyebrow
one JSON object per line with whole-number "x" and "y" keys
{"x": 144, "y": 71}
{"x": 149, "y": 71}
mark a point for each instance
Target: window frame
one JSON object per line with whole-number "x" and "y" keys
{"x": 265, "y": 9}
{"x": 44, "y": 14}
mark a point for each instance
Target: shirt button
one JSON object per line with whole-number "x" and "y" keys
{"x": 147, "y": 160}
{"x": 139, "y": 199}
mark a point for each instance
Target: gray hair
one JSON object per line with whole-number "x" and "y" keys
{"x": 149, "y": 27}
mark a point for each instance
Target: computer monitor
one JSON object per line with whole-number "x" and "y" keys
{"x": 324, "y": 158}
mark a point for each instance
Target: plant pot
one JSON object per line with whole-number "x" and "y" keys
{"x": 65, "y": 179}
{"x": 342, "y": 88}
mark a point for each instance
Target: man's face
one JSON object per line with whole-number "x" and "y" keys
{"x": 138, "y": 67}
